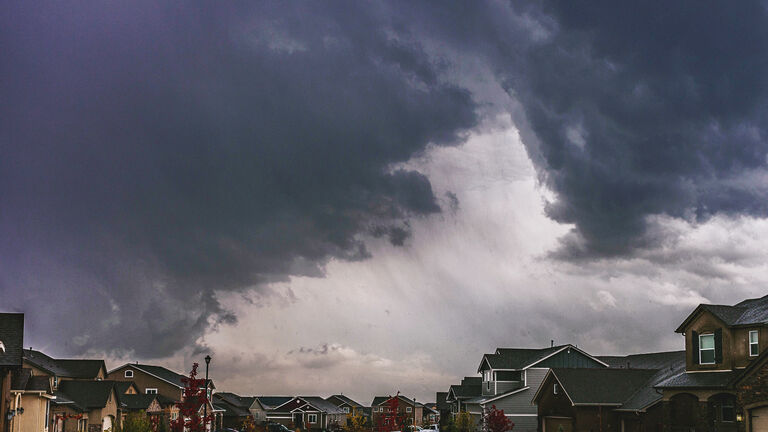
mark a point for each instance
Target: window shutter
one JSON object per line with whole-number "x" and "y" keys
{"x": 719, "y": 345}
{"x": 695, "y": 346}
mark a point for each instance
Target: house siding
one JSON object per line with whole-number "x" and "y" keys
{"x": 144, "y": 380}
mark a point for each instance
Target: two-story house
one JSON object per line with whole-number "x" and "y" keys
{"x": 307, "y": 413}
{"x": 346, "y": 404}
{"x": 723, "y": 386}
{"x": 409, "y": 410}
{"x": 464, "y": 396}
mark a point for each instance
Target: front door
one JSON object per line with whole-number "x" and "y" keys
{"x": 298, "y": 420}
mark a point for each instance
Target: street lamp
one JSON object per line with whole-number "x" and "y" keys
{"x": 205, "y": 415}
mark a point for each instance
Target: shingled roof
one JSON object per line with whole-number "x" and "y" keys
{"x": 340, "y": 399}
{"x": 470, "y": 387}
{"x": 587, "y": 386}
{"x": 85, "y": 394}
{"x": 12, "y": 338}
{"x": 136, "y": 402}
{"x": 69, "y": 368}
{"x": 24, "y": 381}
{"x": 748, "y": 312}
{"x": 522, "y": 358}
{"x": 234, "y": 405}
{"x": 270, "y": 402}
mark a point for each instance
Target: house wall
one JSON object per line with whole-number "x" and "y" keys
{"x": 33, "y": 418}
{"x": 5, "y": 398}
{"x": 752, "y": 394}
{"x": 144, "y": 380}
{"x": 735, "y": 343}
{"x": 258, "y": 413}
{"x": 553, "y": 405}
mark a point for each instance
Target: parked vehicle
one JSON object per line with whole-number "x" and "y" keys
{"x": 433, "y": 428}
{"x": 277, "y": 427}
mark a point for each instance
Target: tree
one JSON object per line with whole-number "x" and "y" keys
{"x": 248, "y": 425}
{"x": 137, "y": 422}
{"x": 464, "y": 422}
{"x": 194, "y": 397}
{"x": 494, "y": 420}
{"x": 355, "y": 423}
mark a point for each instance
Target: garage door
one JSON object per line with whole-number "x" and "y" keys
{"x": 759, "y": 419}
{"x": 558, "y": 424}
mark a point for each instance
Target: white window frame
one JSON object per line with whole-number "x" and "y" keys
{"x": 150, "y": 390}
{"x": 410, "y": 409}
{"x": 714, "y": 354}
{"x": 128, "y": 374}
{"x": 555, "y": 389}
{"x": 756, "y": 343}
{"x": 345, "y": 409}
{"x": 311, "y": 418}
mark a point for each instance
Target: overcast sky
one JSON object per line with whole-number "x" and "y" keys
{"x": 365, "y": 197}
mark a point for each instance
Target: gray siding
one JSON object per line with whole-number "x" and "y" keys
{"x": 488, "y": 387}
{"x": 505, "y": 386}
{"x": 524, "y": 423}
{"x": 521, "y": 403}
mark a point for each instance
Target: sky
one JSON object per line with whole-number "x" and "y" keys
{"x": 364, "y": 197}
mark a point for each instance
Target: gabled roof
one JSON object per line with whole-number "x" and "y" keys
{"x": 233, "y": 405}
{"x": 121, "y": 387}
{"x": 272, "y": 402}
{"x": 69, "y": 368}
{"x": 322, "y": 404}
{"x": 470, "y": 387}
{"x": 380, "y": 400}
{"x": 340, "y": 400}
{"x": 523, "y": 358}
{"x": 86, "y": 394}
{"x": 11, "y": 338}
{"x": 700, "y": 380}
{"x": 613, "y": 387}
{"x": 658, "y": 360}
{"x": 160, "y": 372}
{"x": 748, "y": 312}
{"x": 24, "y": 381}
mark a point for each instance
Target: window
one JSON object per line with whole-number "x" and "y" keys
{"x": 487, "y": 375}
{"x": 151, "y": 391}
{"x": 346, "y": 410}
{"x": 754, "y": 348}
{"x": 255, "y": 416}
{"x": 409, "y": 409}
{"x": 312, "y": 418}
{"x": 129, "y": 374}
{"x": 174, "y": 415}
{"x": 555, "y": 389}
{"x": 707, "y": 349}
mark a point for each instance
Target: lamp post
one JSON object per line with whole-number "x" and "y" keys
{"x": 205, "y": 415}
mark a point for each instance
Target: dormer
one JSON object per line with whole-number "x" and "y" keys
{"x": 722, "y": 337}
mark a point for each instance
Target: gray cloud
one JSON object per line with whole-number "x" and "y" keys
{"x": 154, "y": 154}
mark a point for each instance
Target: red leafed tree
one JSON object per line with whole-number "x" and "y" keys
{"x": 194, "y": 397}
{"x": 392, "y": 419}
{"x": 494, "y": 420}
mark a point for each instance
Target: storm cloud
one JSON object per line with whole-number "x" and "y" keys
{"x": 154, "y": 156}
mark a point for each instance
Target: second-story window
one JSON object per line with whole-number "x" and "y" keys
{"x": 151, "y": 391}
{"x": 754, "y": 348}
{"x": 129, "y": 374}
{"x": 409, "y": 409}
{"x": 346, "y": 409}
{"x": 707, "y": 349}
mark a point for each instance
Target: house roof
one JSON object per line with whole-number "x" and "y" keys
{"x": 121, "y": 387}
{"x": 379, "y": 400}
{"x": 23, "y": 380}
{"x": 162, "y": 373}
{"x": 135, "y": 402}
{"x": 270, "y": 402}
{"x": 340, "y": 399}
{"x": 234, "y": 405}
{"x": 587, "y": 386}
{"x": 86, "y": 394}
{"x": 12, "y": 338}
{"x": 470, "y": 387}
{"x": 711, "y": 380}
{"x": 322, "y": 404}
{"x": 522, "y": 358}
{"x": 748, "y": 312}
{"x": 69, "y": 368}
{"x": 657, "y": 360}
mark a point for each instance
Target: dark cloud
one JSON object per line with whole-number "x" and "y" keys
{"x": 152, "y": 154}
{"x": 641, "y": 110}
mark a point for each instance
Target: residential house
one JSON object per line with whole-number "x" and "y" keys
{"x": 85, "y": 406}
{"x": 723, "y": 386}
{"x": 31, "y": 401}
{"x": 620, "y": 398}
{"x": 410, "y": 410}
{"x": 151, "y": 379}
{"x": 431, "y": 414}
{"x": 307, "y": 413}
{"x": 64, "y": 369}
{"x": 236, "y": 409}
{"x": 464, "y": 397}
{"x": 11, "y": 343}
{"x": 346, "y": 404}
{"x": 509, "y": 377}
{"x": 263, "y": 409}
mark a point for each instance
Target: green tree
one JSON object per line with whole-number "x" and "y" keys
{"x": 355, "y": 423}
{"x": 464, "y": 422}
{"x": 137, "y": 422}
